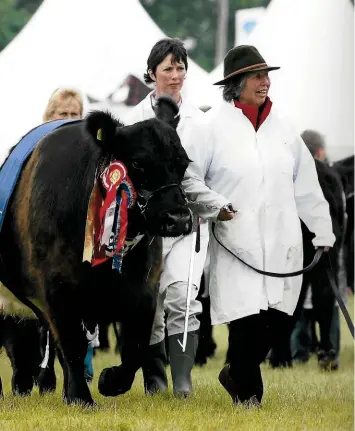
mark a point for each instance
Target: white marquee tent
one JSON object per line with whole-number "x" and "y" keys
{"x": 86, "y": 44}
{"x": 313, "y": 42}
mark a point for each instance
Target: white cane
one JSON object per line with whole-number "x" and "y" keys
{"x": 189, "y": 283}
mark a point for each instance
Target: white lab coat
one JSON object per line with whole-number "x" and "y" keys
{"x": 177, "y": 251}
{"x": 270, "y": 178}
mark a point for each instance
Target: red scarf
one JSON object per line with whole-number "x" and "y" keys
{"x": 255, "y": 114}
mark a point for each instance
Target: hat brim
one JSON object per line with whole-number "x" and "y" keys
{"x": 236, "y": 73}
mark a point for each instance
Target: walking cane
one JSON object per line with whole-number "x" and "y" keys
{"x": 195, "y": 248}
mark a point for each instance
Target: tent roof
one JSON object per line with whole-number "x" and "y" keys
{"x": 79, "y": 44}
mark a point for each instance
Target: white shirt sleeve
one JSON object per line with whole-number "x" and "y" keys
{"x": 199, "y": 148}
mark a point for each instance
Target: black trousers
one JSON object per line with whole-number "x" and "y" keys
{"x": 250, "y": 339}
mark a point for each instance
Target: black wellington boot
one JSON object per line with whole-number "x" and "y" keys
{"x": 181, "y": 363}
{"x": 154, "y": 373}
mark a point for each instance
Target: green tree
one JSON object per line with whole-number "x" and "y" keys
{"x": 196, "y": 19}
{"x": 11, "y": 21}
{"x": 29, "y": 5}
{"x": 14, "y": 14}
{"x": 195, "y": 22}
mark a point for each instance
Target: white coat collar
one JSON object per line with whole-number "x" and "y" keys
{"x": 228, "y": 112}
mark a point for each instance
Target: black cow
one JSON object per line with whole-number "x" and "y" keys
{"x": 41, "y": 243}
{"x": 24, "y": 340}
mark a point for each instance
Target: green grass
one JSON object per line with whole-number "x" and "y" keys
{"x": 302, "y": 398}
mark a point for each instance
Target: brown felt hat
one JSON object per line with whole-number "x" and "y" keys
{"x": 242, "y": 59}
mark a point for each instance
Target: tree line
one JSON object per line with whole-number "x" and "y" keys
{"x": 195, "y": 22}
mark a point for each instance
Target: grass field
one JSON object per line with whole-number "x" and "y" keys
{"x": 301, "y": 398}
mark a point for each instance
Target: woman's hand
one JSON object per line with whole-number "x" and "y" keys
{"x": 226, "y": 213}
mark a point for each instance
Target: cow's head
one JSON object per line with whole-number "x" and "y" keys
{"x": 156, "y": 163}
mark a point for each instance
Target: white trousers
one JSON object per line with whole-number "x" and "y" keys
{"x": 173, "y": 286}
{"x": 173, "y": 302}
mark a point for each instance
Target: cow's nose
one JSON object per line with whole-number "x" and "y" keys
{"x": 178, "y": 222}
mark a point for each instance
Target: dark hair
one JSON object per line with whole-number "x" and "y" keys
{"x": 160, "y": 51}
{"x": 234, "y": 86}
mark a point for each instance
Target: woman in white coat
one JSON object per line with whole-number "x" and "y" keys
{"x": 252, "y": 171}
{"x": 167, "y": 67}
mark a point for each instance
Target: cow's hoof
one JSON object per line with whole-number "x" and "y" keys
{"x": 22, "y": 385}
{"x": 46, "y": 381}
{"x": 79, "y": 402}
{"x": 78, "y": 393}
{"x": 113, "y": 381}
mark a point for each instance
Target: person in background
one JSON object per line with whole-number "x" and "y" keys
{"x": 166, "y": 68}
{"x": 64, "y": 103}
{"x": 345, "y": 168}
{"x": 317, "y": 301}
{"x": 253, "y": 175}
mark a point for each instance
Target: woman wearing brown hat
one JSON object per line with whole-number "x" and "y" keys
{"x": 249, "y": 159}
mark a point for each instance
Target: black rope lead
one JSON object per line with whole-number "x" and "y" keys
{"x": 317, "y": 256}
{"x": 314, "y": 262}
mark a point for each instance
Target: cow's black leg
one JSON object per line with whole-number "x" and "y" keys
{"x": 22, "y": 347}
{"x": 117, "y": 331}
{"x": 65, "y": 373}
{"x": 73, "y": 344}
{"x": 70, "y": 334}
{"x": 103, "y": 337}
{"x": 46, "y": 377}
{"x": 135, "y": 331}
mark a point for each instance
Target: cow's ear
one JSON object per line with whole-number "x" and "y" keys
{"x": 102, "y": 127}
{"x": 167, "y": 110}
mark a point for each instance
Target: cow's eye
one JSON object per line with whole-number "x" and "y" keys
{"x": 136, "y": 165}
